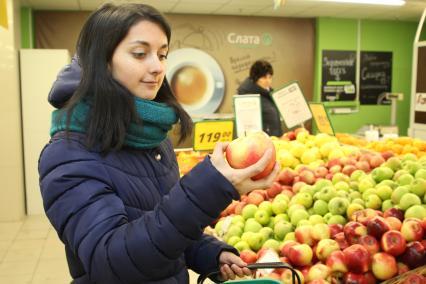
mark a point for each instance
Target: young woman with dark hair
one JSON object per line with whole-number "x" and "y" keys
{"x": 109, "y": 177}
{"x": 260, "y": 82}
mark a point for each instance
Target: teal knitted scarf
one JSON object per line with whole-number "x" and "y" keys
{"x": 157, "y": 119}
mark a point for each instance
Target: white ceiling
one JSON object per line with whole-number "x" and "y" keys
{"x": 411, "y": 11}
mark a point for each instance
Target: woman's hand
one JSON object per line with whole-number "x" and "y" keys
{"x": 232, "y": 265}
{"x": 241, "y": 178}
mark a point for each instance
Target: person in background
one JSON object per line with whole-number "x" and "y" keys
{"x": 260, "y": 82}
{"x": 109, "y": 177}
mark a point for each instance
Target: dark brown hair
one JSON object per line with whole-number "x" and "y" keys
{"x": 113, "y": 107}
{"x": 259, "y": 69}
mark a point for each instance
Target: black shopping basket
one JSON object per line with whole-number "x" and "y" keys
{"x": 254, "y": 266}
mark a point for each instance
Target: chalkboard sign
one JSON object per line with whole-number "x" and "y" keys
{"x": 375, "y": 77}
{"x": 338, "y": 75}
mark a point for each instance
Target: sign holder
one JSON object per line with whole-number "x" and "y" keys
{"x": 292, "y": 105}
{"x": 321, "y": 118}
{"x": 247, "y": 113}
{"x": 208, "y": 133}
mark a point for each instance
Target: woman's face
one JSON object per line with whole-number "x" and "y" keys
{"x": 139, "y": 61}
{"x": 265, "y": 81}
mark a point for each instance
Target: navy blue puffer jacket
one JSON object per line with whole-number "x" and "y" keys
{"x": 127, "y": 217}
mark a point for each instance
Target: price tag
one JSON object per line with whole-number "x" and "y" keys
{"x": 420, "y": 102}
{"x": 292, "y": 105}
{"x": 321, "y": 118}
{"x": 248, "y": 114}
{"x": 208, "y": 133}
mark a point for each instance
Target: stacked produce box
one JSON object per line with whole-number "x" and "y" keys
{"x": 338, "y": 213}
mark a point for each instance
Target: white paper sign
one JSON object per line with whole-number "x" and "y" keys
{"x": 420, "y": 102}
{"x": 248, "y": 114}
{"x": 292, "y": 105}
{"x": 269, "y": 256}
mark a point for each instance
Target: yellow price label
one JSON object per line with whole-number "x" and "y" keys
{"x": 208, "y": 133}
{"x": 3, "y": 14}
{"x": 321, "y": 118}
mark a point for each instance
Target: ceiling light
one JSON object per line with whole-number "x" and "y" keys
{"x": 372, "y": 2}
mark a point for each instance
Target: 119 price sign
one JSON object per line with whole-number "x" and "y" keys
{"x": 208, "y": 133}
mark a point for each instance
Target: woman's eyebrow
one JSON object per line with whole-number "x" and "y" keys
{"x": 142, "y": 42}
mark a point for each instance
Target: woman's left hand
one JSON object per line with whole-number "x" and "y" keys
{"x": 231, "y": 265}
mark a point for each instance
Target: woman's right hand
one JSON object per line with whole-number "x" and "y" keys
{"x": 241, "y": 178}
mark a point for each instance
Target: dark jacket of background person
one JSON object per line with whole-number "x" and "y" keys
{"x": 126, "y": 215}
{"x": 270, "y": 114}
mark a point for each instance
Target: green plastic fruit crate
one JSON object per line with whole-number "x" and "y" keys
{"x": 254, "y": 266}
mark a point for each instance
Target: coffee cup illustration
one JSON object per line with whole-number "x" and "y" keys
{"x": 196, "y": 80}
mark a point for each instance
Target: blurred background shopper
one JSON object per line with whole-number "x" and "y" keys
{"x": 260, "y": 82}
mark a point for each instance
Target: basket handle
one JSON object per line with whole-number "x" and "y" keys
{"x": 255, "y": 266}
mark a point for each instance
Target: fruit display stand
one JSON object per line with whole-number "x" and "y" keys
{"x": 337, "y": 212}
{"x": 396, "y": 146}
{"x": 187, "y": 159}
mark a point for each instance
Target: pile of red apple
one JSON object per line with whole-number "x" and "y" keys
{"x": 353, "y": 219}
{"x": 366, "y": 250}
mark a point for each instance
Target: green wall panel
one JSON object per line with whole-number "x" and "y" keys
{"x": 394, "y": 36}
{"x": 27, "y": 28}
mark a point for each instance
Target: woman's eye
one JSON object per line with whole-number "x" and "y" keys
{"x": 138, "y": 54}
{"x": 162, "y": 56}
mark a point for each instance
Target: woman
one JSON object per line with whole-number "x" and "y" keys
{"x": 260, "y": 82}
{"x": 109, "y": 177}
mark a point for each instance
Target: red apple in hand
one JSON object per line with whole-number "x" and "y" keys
{"x": 357, "y": 258}
{"x": 246, "y": 151}
{"x": 393, "y": 242}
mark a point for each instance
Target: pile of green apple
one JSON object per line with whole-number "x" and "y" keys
{"x": 353, "y": 201}
{"x": 302, "y": 148}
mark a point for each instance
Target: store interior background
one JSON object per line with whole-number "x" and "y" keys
{"x": 300, "y": 29}
{"x": 40, "y": 36}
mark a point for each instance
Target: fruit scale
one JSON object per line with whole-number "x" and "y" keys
{"x": 254, "y": 266}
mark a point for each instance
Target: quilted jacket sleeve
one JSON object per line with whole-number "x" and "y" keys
{"x": 91, "y": 219}
{"x": 203, "y": 255}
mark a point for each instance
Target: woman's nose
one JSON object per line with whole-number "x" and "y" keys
{"x": 156, "y": 65}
